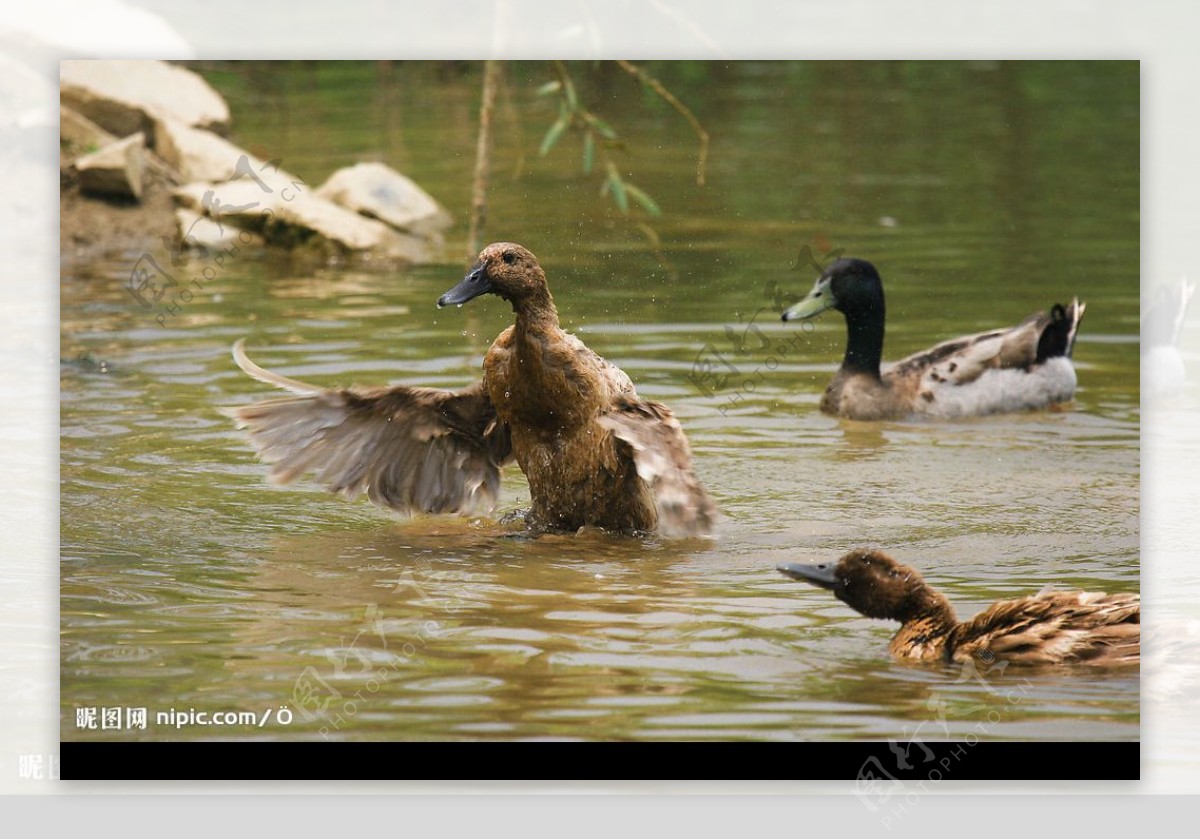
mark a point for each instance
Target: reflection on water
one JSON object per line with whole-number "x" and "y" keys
{"x": 189, "y": 582}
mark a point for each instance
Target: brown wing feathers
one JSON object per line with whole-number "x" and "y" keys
{"x": 663, "y": 460}
{"x": 409, "y": 449}
{"x": 440, "y": 451}
{"x": 1056, "y": 627}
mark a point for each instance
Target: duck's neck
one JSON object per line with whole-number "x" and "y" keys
{"x": 926, "y": 631}
{"x": 536, "y": 313}
{"x": 864, "y": 345}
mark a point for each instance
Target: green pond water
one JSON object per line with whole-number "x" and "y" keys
{"x": 983, "y": 192}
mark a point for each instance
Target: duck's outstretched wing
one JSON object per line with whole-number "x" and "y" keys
{"x": 663, "y": 460}
{"x": 1057, "y": 627}
{"x": 409, "y": 449}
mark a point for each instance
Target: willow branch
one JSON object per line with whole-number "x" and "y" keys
{"x": 483, "y": 159}
{"x": 668, "y": 97}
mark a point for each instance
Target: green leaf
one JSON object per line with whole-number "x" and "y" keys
{"x": 606, "y": 130}
{"x": 589, "y": 153}
{"x": 618, "y": 190}
{"x": 572, "y": 99}
{"x": 650, "y": 234}
{"x": 648, "y": 203}
{"x": 550, "y": 87}
{"x": 552, "y": 135}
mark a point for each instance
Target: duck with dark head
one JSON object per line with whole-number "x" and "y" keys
{"x": 1013, "y": 369}
{"x": 1052, "y": 628}
{"x": 594, "y": 452}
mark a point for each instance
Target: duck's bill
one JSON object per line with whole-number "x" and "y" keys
{"x": 476, "y": 283}
{"x": 817, "y": 301}
{"x": 820, "y": 574}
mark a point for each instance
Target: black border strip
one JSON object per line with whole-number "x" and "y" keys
{"x": 875, "y": 765}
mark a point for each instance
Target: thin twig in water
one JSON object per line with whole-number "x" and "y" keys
{"x": 668, "y": 97}
{"x": 483, "y": 158}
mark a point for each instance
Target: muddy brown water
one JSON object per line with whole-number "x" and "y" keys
{"x": 982, "y": 191}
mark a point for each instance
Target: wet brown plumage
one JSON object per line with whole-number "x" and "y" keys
{"x": 1051, "y": 628}
{"x": 593, "y": 451}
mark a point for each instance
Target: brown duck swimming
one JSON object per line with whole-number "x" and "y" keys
{"x": 1015, "y": 369}
{"x": 1052, "y": 628}
{"x": 593, "y": 451}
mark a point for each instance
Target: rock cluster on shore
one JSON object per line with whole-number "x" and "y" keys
{"x": 129, "y": 126}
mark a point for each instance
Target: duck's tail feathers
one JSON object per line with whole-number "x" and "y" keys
{"x": 265, "y": 376}
{"x": 1058, "y": 336}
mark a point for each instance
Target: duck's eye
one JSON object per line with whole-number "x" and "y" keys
{"x": 509, "y": 257}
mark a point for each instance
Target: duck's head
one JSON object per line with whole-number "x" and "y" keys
{"x": 849, "y": 285}
{"x": 871, "y": 582}
{"x": 505, "y": 269}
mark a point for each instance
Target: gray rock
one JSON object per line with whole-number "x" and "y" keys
{"x": 290, "y": 216}
{"x": 378, "y": 191}
{"x": 200, "y": 155}
{"x": 115, "y": 170}
{"x": 347, "y": 230}
{"x": 201, "y": 233}
{"x": 127, "y": 96}
{"x": 245, "y": 202}
{"x": 79, "y": 134}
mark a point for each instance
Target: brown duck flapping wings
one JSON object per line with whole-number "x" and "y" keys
{"x": 409, "y": 449}
{"x": 663, "y": 460}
